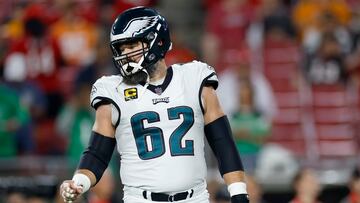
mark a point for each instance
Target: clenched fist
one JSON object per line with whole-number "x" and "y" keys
{"x": 69, "y": 191}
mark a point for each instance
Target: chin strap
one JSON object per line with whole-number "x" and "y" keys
{"x": 148, "y": 76}
{"x": 135, "y": 68}
{"x": 147, "y": 82}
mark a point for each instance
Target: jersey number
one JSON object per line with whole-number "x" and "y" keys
{"x": 155, "y": 135}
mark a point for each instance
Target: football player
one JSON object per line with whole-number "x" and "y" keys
{"x": 157, "y": 117}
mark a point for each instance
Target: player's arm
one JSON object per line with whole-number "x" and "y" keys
{"x": 219, "y": 136}
{"x": 95, "y": 158}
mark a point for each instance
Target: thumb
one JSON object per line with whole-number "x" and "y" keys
{"x": 79, "y": 189}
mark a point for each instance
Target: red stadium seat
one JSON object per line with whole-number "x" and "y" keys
{"x": 334, "y": 120}
{"x": 288, "y": 99}
{"x": 282, "y": 71}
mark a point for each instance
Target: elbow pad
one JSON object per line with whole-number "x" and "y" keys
{"x": 97, "y": 155}
{"x": 218, "y": 133}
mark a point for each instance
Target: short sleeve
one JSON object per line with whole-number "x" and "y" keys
{"x": 208, "y": 76}
{"x": 99, "y": 94}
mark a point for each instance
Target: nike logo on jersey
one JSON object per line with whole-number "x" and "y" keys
{"x": 158, "y": 100}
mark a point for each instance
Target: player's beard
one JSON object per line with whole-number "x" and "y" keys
{"x": 140, "y": 76}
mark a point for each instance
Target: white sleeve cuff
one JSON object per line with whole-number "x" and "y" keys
{"x": 82, "y": 181}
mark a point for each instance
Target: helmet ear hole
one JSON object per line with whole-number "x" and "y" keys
{"x": 160, "y": 43}
{"x": 151, "y": 57}
{"x": 150, "y": 36}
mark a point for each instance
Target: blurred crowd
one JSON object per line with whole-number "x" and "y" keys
{"x": 289, "y": 73}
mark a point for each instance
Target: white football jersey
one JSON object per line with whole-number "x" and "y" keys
{"x": 159, "y": 129}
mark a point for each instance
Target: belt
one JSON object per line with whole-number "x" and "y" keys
{"x": 162, "y": 197}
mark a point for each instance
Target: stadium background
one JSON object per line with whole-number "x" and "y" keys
{"x": 293, "y": 65}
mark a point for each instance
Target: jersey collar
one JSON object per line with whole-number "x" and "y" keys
{"x": 159, "y": 89}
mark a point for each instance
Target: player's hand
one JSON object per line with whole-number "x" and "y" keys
{"x": 69, "y": 191}
{"x": 240, "y": 198}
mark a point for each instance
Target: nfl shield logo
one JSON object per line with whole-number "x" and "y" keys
{"x": 158, "y": 90}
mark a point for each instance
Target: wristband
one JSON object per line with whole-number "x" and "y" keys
{"x": 82, "y": 181}
{"x": 237, "y": 188}
{"x": 240, "y": 198}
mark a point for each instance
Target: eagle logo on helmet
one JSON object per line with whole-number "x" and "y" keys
{"x": 139, "y": 25}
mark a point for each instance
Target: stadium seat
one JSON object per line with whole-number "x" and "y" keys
{"x": 334, "y": 116}
{"x": 283, "y": 75}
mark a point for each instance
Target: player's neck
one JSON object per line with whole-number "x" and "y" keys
{"x": 159, "y": 73}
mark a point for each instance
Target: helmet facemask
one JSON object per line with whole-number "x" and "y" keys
{"x": 135, "y": 72}
{"x": 131, "y": 64}
{"x": 126, "y": 61}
